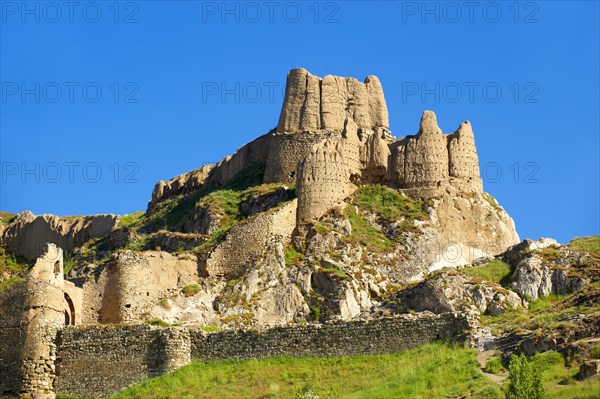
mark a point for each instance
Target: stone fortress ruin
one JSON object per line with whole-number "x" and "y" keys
{"x": 87, "y": 335}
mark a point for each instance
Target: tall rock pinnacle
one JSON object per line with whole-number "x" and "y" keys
{"x": 312, "y": 103}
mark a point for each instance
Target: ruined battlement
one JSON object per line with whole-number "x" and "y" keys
{"x": 313, "y": 103}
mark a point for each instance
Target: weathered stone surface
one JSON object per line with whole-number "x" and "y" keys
{"x": 132, "y": 282}
{"x": 590, "y": 369}
{"x": 536, "y": 275}
{"x": 182, "y": 184}
{"x": 98, "y": 362}
{"x": 28, "y": 234}
{"x": 453, "y": 292}
{"x": 313, "y": 104}
{"x": 251, "y": 238}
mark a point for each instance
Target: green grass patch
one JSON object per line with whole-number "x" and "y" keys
{"x": 595, "y": 351}
{"x": 590, "y": 244}
{"x": 9, "y": 282}
{"x": 559, "y": 381}
{"x": 210, "y": 328}
{"x": 251, "y": 175}
{"x": 430, "y": 371}
{"x": 7, "y": 217}
{"x": 363, "y": 233}
{"x": 190, "y": 290}
{"x": 494, "y": 366}
{"x": 495, "y": 271}
{"x": 335, "y": 271}
{"x": 293, "y": 257}
{"x": 157, "y": 322}
{"x": 389, "y": 204}
{"x": 132, "y": 220}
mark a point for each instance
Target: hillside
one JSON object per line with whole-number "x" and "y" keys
{"x": 326, "y": 236}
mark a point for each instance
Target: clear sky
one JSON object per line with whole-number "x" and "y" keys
{"x": 100, "y": 100}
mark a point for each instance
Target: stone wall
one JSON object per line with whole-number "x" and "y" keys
{"x": 251, "y": 238}
{"x": 363, "y": 337}
{"x": 134, "y": 282}
{"x": 101, "y": 361}
{"x": 285, "y": 152}
{"x": 12, "y": 337}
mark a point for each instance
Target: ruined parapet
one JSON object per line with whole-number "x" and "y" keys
{"x": 422, "y": 160}
{"x": 251, "y": 239}
{"x": 286, "y": 151}
{"x": 134, "y": 282}
{"x": 313, "y": 104}
{"x": 463, "y": 159}
{"x": 28, "y": 234}
{"x": 432, "y": 160}
{"x": 44, "y": 316}
{"x": 336, "y": 166}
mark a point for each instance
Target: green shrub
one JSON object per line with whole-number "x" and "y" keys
{"x": 190, "y": 290}
{"x": 595, "y": 351}
{"x": 524, "y": 380}
{"x": 494, "y": 366}
{"x": 68, "y": 263}
{"x": 164, "y": 304}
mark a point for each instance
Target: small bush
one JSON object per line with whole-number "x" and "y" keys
{"x": 165, "y": 304}
{"x": 190, "y": 290}
{"x": 524, "y": 380}
{"x": 494, "y": 366}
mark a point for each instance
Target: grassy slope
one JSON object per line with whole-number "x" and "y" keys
{"x": 431, "y": 371}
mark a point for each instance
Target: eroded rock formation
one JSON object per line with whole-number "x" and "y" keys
{"x": 28, "y": 234}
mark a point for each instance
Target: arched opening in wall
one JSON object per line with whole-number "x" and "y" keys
{"x": 69, "y": 311}
{"x": 57, "y": 268}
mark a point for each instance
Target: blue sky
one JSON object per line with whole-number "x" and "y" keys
{"x": 99, "y": 101}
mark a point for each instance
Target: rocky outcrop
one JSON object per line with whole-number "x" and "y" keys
{"x": 544, "y": 267}
{"x": 28, "y": 234}
{"x": 182, "y": 184}
{"x": 314, "y": 104}
{"x": 590, "y": 369}
{"x": 455, "y": 292}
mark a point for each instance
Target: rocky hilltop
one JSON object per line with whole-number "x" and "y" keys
{"x": 326, "y": 217}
